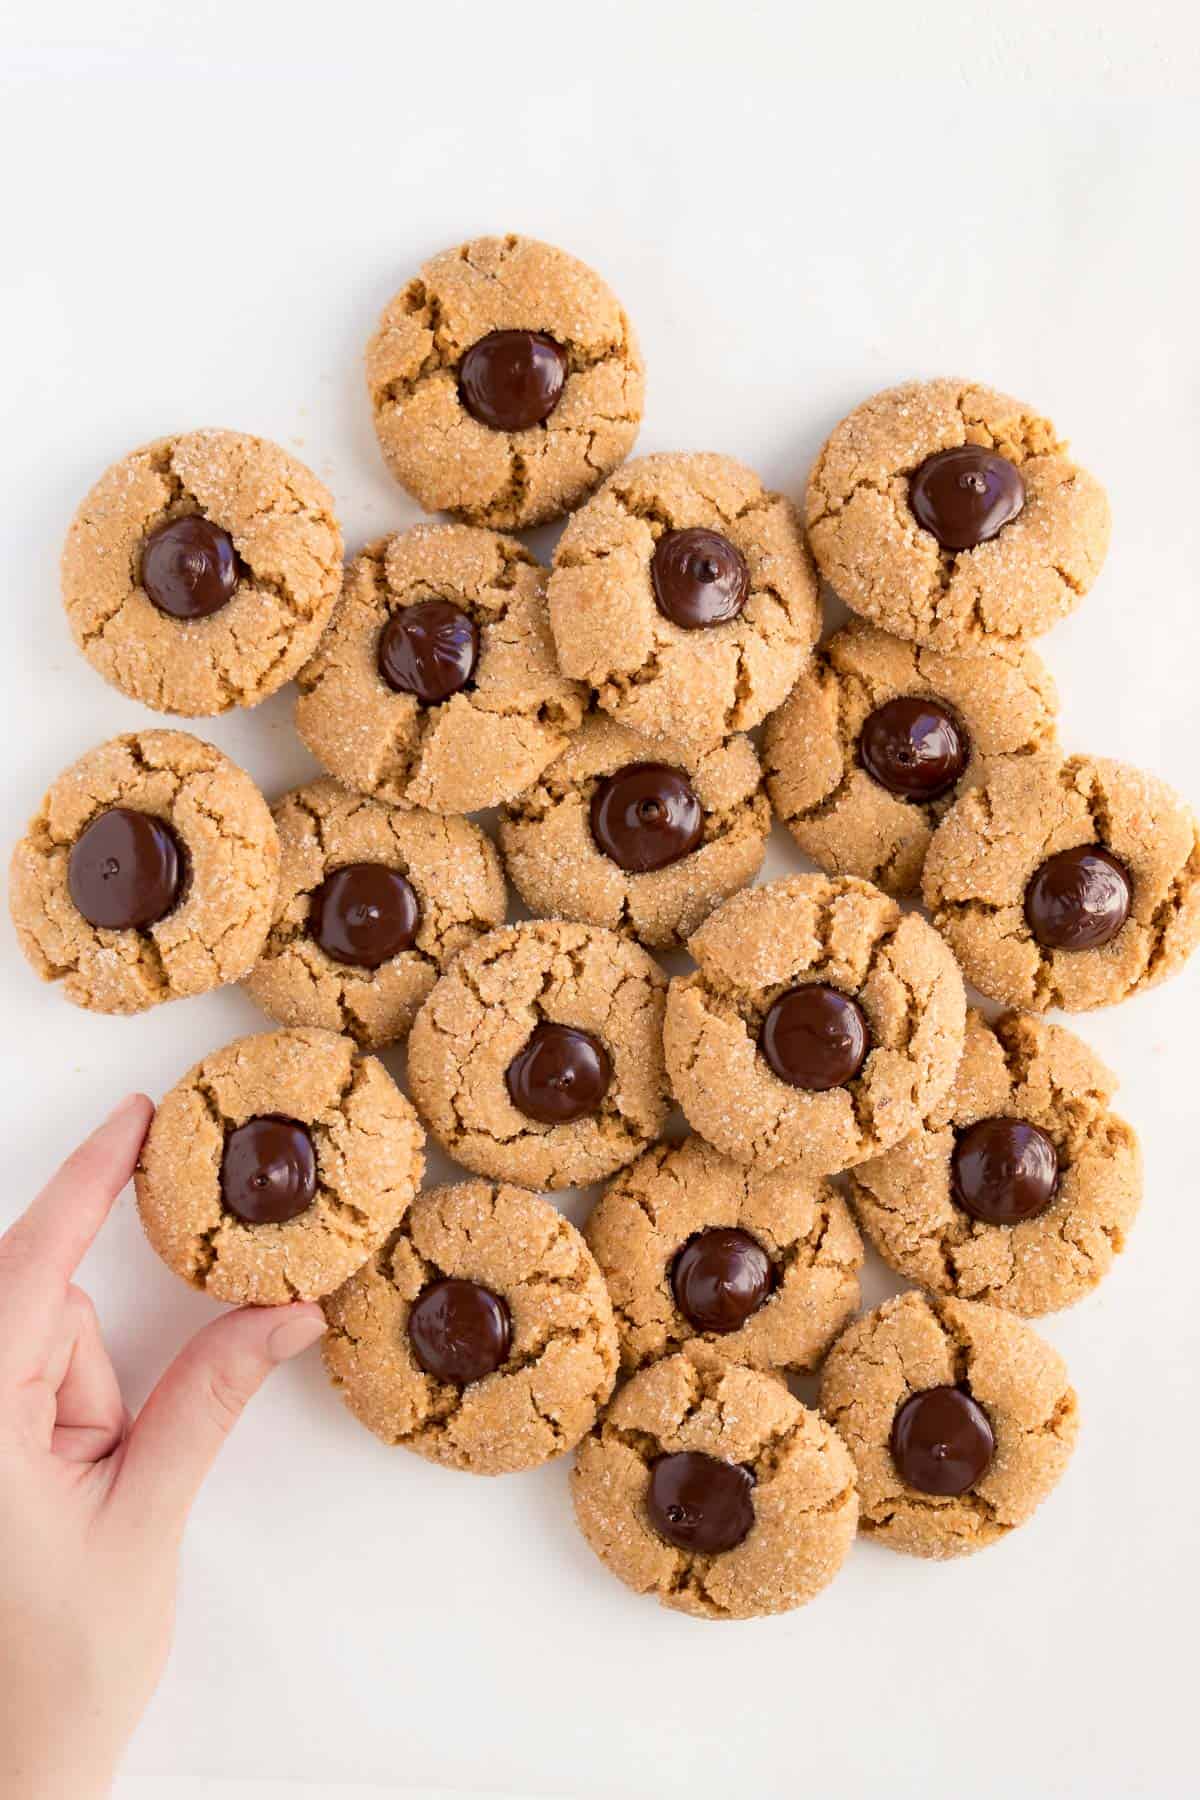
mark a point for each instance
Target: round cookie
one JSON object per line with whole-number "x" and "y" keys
{"x": 1066, "y": 882}
{"x": 436, "y": 684}
{"x": 276, "y": 1166}
{"x": 694, "y": 1248}
{"x": 480, "y": 1335}
{"x": 953, "y": 515}
{"x": 538, "y": 1056}
{"x": 821, "y": 1025}
{"x": 147, "y": 874}
{"x": 696, "y": 539}
{"x": 637, "y": 834}
{"x": 506, "y": 382}
{"x": 373, "y": 902}
{"x": 960, "y": 1420}
{"x": 200, "y": 571}
{"x": 878, "y": 735}
{"x": 712, "y": 1488}
{"x": 1021, "y": 1186}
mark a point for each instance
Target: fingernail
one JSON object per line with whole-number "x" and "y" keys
{"x": 123, "y": 1107}
{"x": 293, "y": 1336}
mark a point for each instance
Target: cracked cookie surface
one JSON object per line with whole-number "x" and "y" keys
{"x": 289, "y": 569}
{"x": 369, "y": 1150}
{"x": 694, "y": 686}
{"x": 912, "y": 1343}
{"x": 1018, "y": 1068}
{"x": 558, "y": 869}
{"x": 1002, "y": 696}
{"x": 481, "y": 1014}
{"x": 453, "y": 870}
{"x": 230, "y": 856}
{"x": 805, "y": 1505}
{"x": 654, "y": 1208}
{"x": 562, "y": 1355}
{"x": 998, "y": 834}
{"x": 486, "y": 742}
{"x": 843, "y": 933}
{"x": 884, "y": 565}
{"x": 452, "y": 462}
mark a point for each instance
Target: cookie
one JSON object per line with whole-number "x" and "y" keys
{"x": 684, "y": 595}
{"x": 480, "y": 1335}
{"x": 436, "y": 684}
{"x": 276, "y": 1166}
{"x": 373, "y": 902}
{"x": 201, "y": 570}
{"x": 960, "y": 1420}
{"x": 695, "y": 1248}
{"x": 710, "y": 1487}
{"x": 1066, "y": 882}
{"x": 878, "y": 736}
{"x": 147, "y": 874}
{"x": 953, "y": 515}
{"x": 506, "y": 382}
{"x": 820, "y": 1027}
{"x": 538, "y": 1058}
{"x": 637, "y": 834}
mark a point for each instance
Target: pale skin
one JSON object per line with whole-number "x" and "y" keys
{"x": 93, "y": 1502}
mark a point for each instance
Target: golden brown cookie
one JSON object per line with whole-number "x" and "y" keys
{"x": 761, "y": 1266}
{"x": 878, "y": 736}
{"x": 200, "y": 571}
{"x": 820, "y": 1027}
{"x": 276, "y": 1166}
{"x": 953, "y": 515}
{"x": 506, "y": 382}
{"x": 436, "y": 684}
{"x": 684, "y": 595}
{"x": 710, "y": 1487}
{"x": 959, "y": 1418}
{"x": 637, "y": 834}
{"x": 373, "y": 902}
{"x": 147, "y": 874}
{"x": 480, "y": 1335}
{"x": 1066, "y": 882}
{"x": 538, "y": 1056}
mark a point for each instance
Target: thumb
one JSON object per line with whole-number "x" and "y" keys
{"x": 181, "y": 1428}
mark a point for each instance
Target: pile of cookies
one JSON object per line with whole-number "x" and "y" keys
{"x": 604, "y": 707}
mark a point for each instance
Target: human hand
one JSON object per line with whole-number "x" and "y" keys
{"x": 92, "y": 1502}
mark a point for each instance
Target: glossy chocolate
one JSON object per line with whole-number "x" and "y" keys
{"x": 646, "y": 817}
{"x": 189, "y": 567}
{"x": 720, "y": 1278}
{"x": 914, "y": 748}
{"x": 459, "y": 1331}
{"x": 364, "y": 914}
{"x": 966, "y": 496}
{"x": 1078, "y": 899}
{"x": 125, "y": 870}
{"x": 942, "y": 1441}
{"x": 699, "y": 578}
{"x": 559, "y": 1074}
{"x": 815, "y": 1037}
{"x": 1003, "y": 1171}
{"x": 512, "y": 380}
{"x": 268, "y": 1170}
{"x": 700, "y": 1503}
{"x": 429, "y": 650}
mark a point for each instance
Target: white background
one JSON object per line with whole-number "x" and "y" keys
{"x": 206, "y": 209}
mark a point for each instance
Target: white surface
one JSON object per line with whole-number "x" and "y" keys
{"x": 205, "y": 214}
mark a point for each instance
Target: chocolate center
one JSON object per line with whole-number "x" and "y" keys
{"x": 699, "y": 578}
{"x": 189, "y": 567}
{"x": 560, "y": 1074}
{"x": 700, "y": 1503}
{"x": 815, "y": 1037}
{"x": 429, "y": 650}
{"x": 1078, "y": 899}
{"x": 459, "y": 1331}
{"x": 942, "y": 1441}
{"x": 364, "y": 914}
{"x": 914, "y": 748}
{"x": 512, "y": 380}
{"x": 646, "y": 816}
{"x": 1003, "y": 1171}
{"x": 268, "y": 1170}
{"x": 126, "y": 870}
{"x": 720, "y": 1278}
{"x": 966, "y": 496}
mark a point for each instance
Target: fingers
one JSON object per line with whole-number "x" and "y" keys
{"x": 90, "y": 1416}
{"x": 176, "y": 1437}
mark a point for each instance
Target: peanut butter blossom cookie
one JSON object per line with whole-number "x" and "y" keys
{"x": 762, "y": 1266}
{"x": 820, "y": 1028}
{"x": 953, "y": 515}
{"x": 710, "y": 1487}
{"x": 506, "y": 382}
{"x": 637, "y": 833}
{"x": 878, "y": 736}
{"x": 148, "y": 874}
{"x": 277, "y": 1165}
{"x": 538, "y": 1059}
{"x": 1021, "y": 1187}
{"x": 1067, "y": 883}
{"x": 480, "y": 1335}
{"x": 436, "y": 684}
{"x": 201, "y": 570}
{"x": 373, "y": 902}
{"x": 684, "y": 595}
{"x": 959, "y": 1417}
